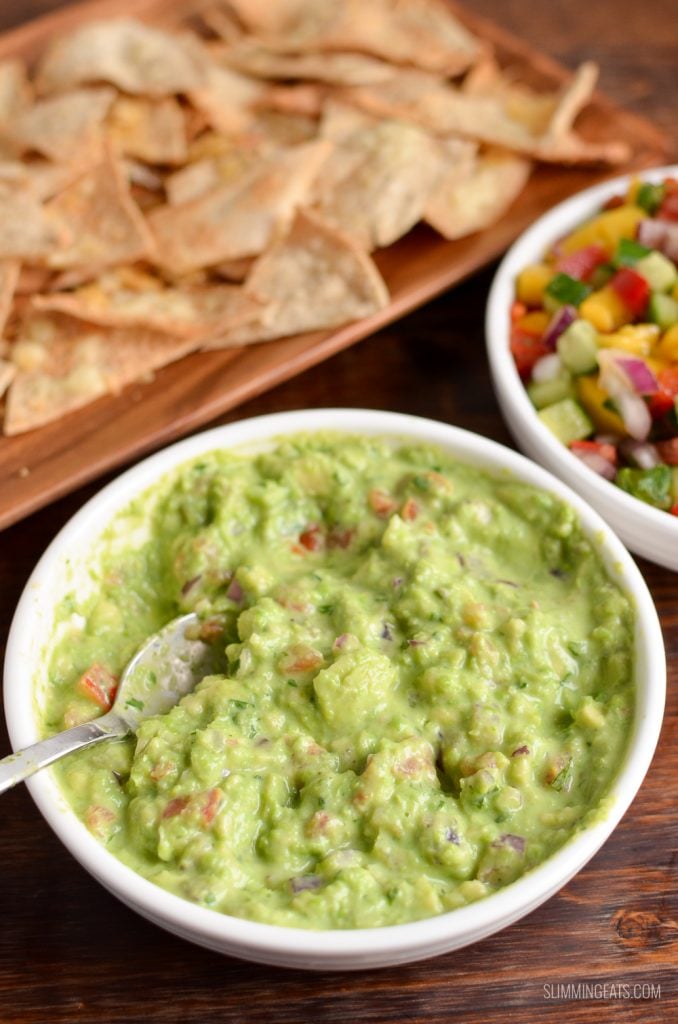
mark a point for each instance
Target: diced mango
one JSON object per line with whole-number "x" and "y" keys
{"x": 668, "y": 346}
{"x": 674, "y": 291}
{"x": 605, "y": 310}
{"x": 593, "y": 398}
{"x": 632, "y": 191}
{"x": 606, "y": 229}
{"x": 534, "y": 323}
{"x": 531, "y": 283}
{"x": 639, "y": 339}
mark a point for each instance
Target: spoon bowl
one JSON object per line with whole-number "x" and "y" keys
{"x": 166, "y": 667}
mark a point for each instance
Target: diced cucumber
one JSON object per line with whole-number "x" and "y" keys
{"x": 658, "y": 270}
{"x": 547, "y": 392}
{"x": 567, "y": 420}
{"x": 663, "y": 310}
{"x": 578, "y": 347}
{"x": 674, "y": 485}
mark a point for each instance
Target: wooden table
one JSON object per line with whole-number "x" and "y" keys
{"x": 71, "y": 953}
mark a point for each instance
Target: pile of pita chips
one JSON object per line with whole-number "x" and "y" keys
{"x": 225, "y": 184}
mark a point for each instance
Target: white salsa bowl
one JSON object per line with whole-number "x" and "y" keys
{"x": 646, "y": 530}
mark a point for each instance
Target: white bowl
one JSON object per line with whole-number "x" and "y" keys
{"x": 646, "y": 530}
{"x": 354, "y": 949}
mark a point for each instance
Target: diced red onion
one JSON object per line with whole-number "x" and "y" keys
{"x": 558, "y": 323}
{"x": 656, "y": 233}
{"x": 640, "y": 376}
{"x": 635, "y": 414}
{"x": 600, "y": 465}
{"x": 235, "y": 591}
{"x": 516, "y": 843}
{"x": 547, "y": 368}
{"x": 304, "y": 882}
{"x": 639, "y": 453}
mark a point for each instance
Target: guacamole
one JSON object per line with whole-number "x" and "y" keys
{"x": 427, "y": 682}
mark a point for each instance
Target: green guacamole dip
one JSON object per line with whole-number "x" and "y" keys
{"x": 428, "y": 683}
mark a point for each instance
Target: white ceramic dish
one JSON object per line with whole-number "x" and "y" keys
{"x": 68, "y": 555}
{"x": 645, "y": 530}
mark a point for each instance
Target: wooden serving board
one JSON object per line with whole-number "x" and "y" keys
{"x": 42, "y": 465}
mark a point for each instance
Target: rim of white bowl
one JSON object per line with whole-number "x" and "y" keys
{"x": 351, "y": 948}
{"x": 519, "y": 412}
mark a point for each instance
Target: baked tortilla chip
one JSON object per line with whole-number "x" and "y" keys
{"x": 15, "y": 92}
{"x": 135, "y": 57}
{"x": 133, "y": 298}
{"x": 314, "y": 278}
{"x": 7, "y": 374}
{"x": 200, "y": 177}
{"x": 465, "y": 200}
{"x": 509, "y": 118}
{"x": 63, "y": 364}
{"x": 150, "y": 130}
{"x": 423, "y": 33}
{"x": 252, "y": 58}
{"x": 60, "y": 126}
{"x": 28, "y": 230}
{"x": 9, "y": 279}
{"x": 105, "y": 224}
{"x": 392, "y": 168}
{"x": 225, "y": 97}
{"x": 236, "y": 220}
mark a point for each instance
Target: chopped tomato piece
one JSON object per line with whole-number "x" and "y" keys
{"x": 300, "y": 658}
{"x": 211, "y": 806}
{"x": 175, "y": 806}
{"x": 582, "y": 262}
{"x": 99, "y": 820}
{"x": 518, "y": 310}
{"x": 526, "y": 351}
{"x": 212, "y": 629}
{"x": 602, "y": 448}
{"x": 668, "y": 451}
{"x": 381, "y": 503}
{"x": 674, "y": 509}
{"x": 669, "y": 207}
{"x": 660, "y": 403}
{"x": 632, "y": 289}
{"x": 312, "y": 538}
{"x": 98, "y": 684}
{"x": 340, "y": 536}
{"x": 410, "y": 510}
{"x": 613, "y": 202}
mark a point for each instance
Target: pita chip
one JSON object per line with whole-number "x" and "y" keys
{"x": 105, "y": 224}
{"x": 28, "y": 230}
{"x": 149, "y": 130}
{"x": 313, "y": 278}
{"x": 252, "y": 58}
{"x": 392, "y": 167}
{"x": 7, "y": 374}
{"x": 467, "y": 200}
{"x": 59, "y": 126}
{"x": 236, "y": 220}
{"x": 62, "y": 364}
{"x": 225, "y": 97}
{"x": 137, "y": 58}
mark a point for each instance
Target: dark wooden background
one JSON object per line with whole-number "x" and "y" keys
{"x": 71, "y": 953}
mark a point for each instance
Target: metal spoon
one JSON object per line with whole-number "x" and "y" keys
{"x": 166, "y": 667}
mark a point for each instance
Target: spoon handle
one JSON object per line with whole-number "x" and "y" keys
{"x": 23, "y": 763}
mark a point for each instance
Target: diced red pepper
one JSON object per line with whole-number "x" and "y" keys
{"x": 613, "y": 202}
{"x": 176, "y": 806}
{"x": 668, "y": 380}
{"x": 668, "y": 451}
{"x": 518, "y": 309}
{"x": 632, "y": 289}
{"x": 602, "y": 448}
{"x": 340, "y": 537}
{"x": 583, "y": 262}
{"x": 526, "y": 350}
{"x": 312, "y": 538}
{"x": 674, "y": 509}
{"x": 211, "y": 806}
{"x": 99, "y": 685}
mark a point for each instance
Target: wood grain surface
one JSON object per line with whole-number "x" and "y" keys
{"x": 46, "y": 463}
{"x": 71, "y": 953}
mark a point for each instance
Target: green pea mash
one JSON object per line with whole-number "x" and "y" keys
{"x": 428, "y": 683}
